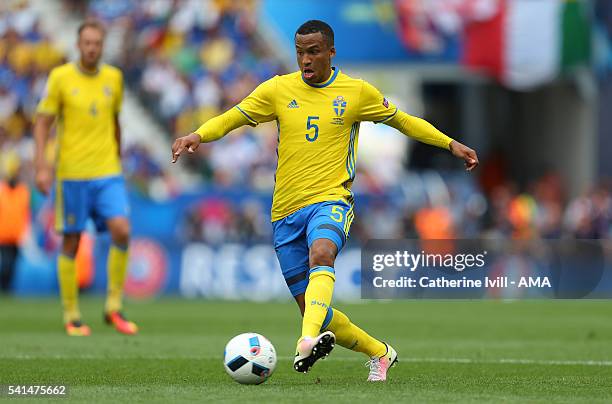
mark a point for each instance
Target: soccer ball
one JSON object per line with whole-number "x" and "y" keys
{"x": 249, "y": 358}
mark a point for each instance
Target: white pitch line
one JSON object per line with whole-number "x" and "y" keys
{"x": 503, "y": 361}
{"x": 510, "y": 361}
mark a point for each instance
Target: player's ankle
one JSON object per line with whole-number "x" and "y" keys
{"x": 380, "y": 352}
{"x": 304, "y": 338}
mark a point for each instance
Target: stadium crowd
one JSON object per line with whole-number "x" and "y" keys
{"x": 431, "y": 207}
{"x": 190, "y": 62}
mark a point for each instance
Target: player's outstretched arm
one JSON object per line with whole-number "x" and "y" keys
{"x": 213, "y": 129}
{"x": 189, "y": 143}
{"x": 425, "y": 132}
{"x": 463, "y": 152}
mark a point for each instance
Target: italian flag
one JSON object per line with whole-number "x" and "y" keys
{"x": 526, "y": 43}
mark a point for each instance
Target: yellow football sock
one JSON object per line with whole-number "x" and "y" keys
{"x": 69, "y": 290}
{"x": 117, "y": 269}
{"x": 354, "y": 338}
{"x": 317, "y": 298}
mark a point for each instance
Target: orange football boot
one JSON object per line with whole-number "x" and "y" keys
{"x": 121, "y": 324}
{"x": 77, "y": 329}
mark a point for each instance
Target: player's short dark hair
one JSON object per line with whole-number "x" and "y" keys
{"x": 91, "y": 23}
{"x": 314, "y": 26}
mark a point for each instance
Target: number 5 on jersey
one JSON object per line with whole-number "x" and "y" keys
{"x": 309, "y": 125}
{"x": 337, "y": 214}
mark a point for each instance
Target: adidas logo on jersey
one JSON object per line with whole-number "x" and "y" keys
{"x": 293, "y": 104}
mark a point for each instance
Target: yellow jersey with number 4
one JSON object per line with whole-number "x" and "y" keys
{"x": 85, "y": 106}
{"x": 318, "y": 129}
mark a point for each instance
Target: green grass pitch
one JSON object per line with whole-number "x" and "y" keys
{"x": 449, "y": 351}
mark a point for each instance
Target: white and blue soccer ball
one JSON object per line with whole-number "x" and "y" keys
{"x": 249, "y": 358}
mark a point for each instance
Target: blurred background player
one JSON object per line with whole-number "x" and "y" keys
{"x": 318, "y": 111}
{"x": 86, "y": 97}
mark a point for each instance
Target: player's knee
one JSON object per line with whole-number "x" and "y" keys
{"x": 70, "y": 244}
{"x": 120, "y": 232}
{"x": 323, "y": 252}
{"x": 322, "y": 255}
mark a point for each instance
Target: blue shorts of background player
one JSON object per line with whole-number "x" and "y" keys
{"x": 78, "y": 200}
{"x": 294, "y": 234}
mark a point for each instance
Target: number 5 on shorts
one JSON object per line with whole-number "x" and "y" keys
{"x": 337, "y": 214}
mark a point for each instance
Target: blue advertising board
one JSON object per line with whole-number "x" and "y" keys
{"x": 163, "y": 260}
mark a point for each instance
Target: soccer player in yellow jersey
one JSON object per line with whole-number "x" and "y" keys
{"x": 84, "y": 99}
{"x": 318, "y": 110}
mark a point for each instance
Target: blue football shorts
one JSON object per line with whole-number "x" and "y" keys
{"x": 100, "y": 199}
{"x": 293, "y": 235}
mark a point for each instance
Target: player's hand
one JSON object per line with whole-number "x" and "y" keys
{"x": 190, "y": 143}
{"x": 465, "y": 153}
{"x": 44, "y": 178}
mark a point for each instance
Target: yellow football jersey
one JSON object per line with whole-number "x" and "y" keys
{"x": 85, "y": 106}
{"x": 318, "y": 129}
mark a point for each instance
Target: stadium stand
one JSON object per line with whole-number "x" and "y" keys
{"x": 189, "y": 63}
